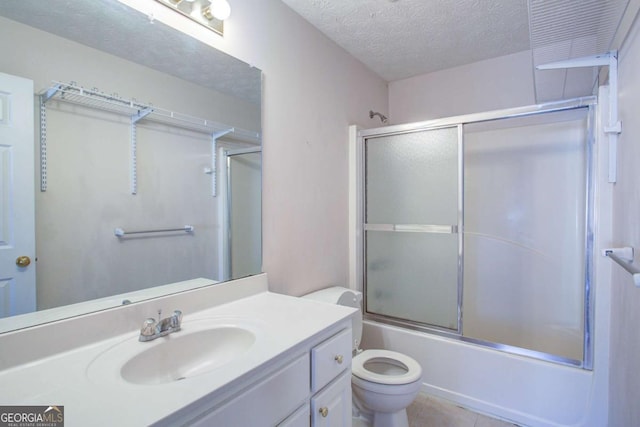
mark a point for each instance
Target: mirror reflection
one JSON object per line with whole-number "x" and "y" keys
{"x": 185, "y": 154}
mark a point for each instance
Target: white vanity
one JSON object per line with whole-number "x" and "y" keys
{"x": 243, "y": 357}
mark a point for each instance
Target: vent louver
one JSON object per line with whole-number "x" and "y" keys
{"x": 567, "y": 29}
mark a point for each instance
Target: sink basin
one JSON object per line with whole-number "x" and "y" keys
{"x": 200, "y": 347}
{"x": 184, "y": 356}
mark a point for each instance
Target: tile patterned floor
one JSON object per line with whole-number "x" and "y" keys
{"x": 427, "y": 411}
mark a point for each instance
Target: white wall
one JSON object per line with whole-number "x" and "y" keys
{"x": 312, "y": 91}
{"x": 493, "y": 84}
{"x": 625, "y": 301}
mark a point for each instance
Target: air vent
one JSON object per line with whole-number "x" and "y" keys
{"x": 567, "y": 29}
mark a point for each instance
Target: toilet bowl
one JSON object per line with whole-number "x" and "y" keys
{"x": 383, "y": 382}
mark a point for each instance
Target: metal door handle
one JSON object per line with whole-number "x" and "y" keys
{"x": 23, "y": 261}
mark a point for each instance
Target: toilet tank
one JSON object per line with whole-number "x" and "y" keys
{"x": 346, "y": 297}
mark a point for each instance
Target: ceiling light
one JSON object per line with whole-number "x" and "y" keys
{"x": 220, "y": 9}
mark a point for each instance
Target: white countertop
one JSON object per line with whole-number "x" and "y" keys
{"x": 61, "y": 379}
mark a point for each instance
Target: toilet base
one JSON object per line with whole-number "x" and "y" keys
{"x": 367, "y": 418}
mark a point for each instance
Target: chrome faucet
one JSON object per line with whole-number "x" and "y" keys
{"x": 151, "y": 330}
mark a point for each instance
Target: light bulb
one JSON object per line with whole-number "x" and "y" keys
{"x": 220, "y": 9}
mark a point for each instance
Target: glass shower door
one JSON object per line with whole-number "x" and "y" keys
{"x": 412, "y": 210}
{"x": 525, "y": 198}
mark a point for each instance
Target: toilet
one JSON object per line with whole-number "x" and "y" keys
{"x": 383, "y": 382}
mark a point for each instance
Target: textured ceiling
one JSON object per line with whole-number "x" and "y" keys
{"x": 394, "y": 38}
{"x": 112, "y": 27}
{"x": 403, "y": 38}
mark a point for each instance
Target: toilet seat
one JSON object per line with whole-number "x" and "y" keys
{"x": 410, "y": 369}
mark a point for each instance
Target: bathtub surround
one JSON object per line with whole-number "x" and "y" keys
{"x": 517, "y": 274}
{"x": 485, "y": 379}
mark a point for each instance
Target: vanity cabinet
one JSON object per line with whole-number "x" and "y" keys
{"x": 312, "y": 388}
{"x": 266, "y": 402}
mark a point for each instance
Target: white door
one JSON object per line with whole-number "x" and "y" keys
{"x": 17, "y": 206}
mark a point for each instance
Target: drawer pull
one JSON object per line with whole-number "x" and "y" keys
{"x": 324, "y": 411}
{"x": 339, "y": 359}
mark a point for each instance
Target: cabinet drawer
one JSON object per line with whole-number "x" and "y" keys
{"x": 330, "y": 358}
{"x": 332, "y": 406}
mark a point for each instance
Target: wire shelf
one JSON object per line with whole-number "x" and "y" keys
{"x": 93, "y": 98}
{"x": 137, "y": 112}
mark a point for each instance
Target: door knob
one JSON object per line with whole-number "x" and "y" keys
{"x": 23, "y": 261}
{"x": 324, "y": 411}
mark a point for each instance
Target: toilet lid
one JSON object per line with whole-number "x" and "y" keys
{"x": 386, "y": 367}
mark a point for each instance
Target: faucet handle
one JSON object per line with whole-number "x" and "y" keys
{"x": 148, "y": 328}
{"x": 176, "y": 319}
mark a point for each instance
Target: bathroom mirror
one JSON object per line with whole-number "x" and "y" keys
{"x": 181, "y": 175}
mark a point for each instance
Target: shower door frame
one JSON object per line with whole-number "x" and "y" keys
{"x": 227, "y": 238}
{"x": 588, "y": 103}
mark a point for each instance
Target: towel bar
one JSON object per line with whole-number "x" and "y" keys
{"x": 119, "y": 232}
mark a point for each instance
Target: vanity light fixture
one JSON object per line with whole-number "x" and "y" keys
{"x": 209, "y": 13}
{"x": 220, "y": 9}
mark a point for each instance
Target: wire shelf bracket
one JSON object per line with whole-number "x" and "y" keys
{"x": 614, "y": 128}
{"x": 134, "y": 147}
{"x": 624, "y": 258}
